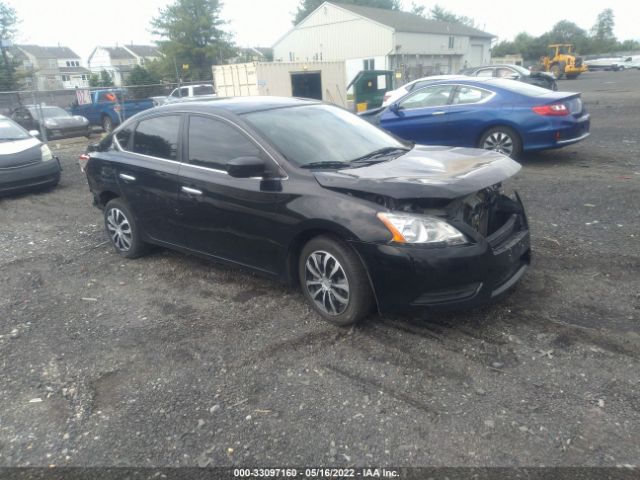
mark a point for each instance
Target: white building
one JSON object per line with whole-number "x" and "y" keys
{"x": 372, "y": 38}
{"x": 50, "y": 68}
{"x": 119, "y": 61}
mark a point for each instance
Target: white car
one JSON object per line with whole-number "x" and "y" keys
{"x": 393, "y": 95}
{"x": 632, "y": 62}
{"x": 187, "y": 92}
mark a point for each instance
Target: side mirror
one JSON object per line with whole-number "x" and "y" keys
{"x": 93, "y": 147}
{"x": 34, "y": 133}
{"x": 514, "y": 76}
{"x": 395, "y": 107}
{"x": 246, "y": 167}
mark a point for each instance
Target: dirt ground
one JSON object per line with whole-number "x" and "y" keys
{"x": 172, "y": 361}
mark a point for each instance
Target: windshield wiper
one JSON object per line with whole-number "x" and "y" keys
{"x": 325, "y": 164}
{"x": 381, "y": 152}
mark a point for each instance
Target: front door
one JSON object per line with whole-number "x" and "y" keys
{"x": 421, "y": 116}
{"x": 223, "y": 216}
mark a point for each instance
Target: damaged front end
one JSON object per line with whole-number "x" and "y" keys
{"x": 443, "y": 277}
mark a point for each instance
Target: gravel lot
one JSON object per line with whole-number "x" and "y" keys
{"x": 172, "y": 361}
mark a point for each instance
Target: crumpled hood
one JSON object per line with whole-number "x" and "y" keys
{"x": 426, "y": 172}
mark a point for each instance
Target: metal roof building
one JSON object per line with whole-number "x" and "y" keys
{"x": 372, "y": 38}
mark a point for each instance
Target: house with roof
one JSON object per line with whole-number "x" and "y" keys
{"x": 119, "y": 61}
{"x": 50, "y": 68}
{"x": 368, "y": 38}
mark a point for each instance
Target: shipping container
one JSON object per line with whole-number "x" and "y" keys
{"x": 320, "y": 80}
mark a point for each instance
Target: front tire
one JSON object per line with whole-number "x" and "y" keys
{"x": 122, "y": 229}
{"x": 334, "y": 281}
{"x": 503, "y": 140}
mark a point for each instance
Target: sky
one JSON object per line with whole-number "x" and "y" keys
{"x": 83, "y": 25}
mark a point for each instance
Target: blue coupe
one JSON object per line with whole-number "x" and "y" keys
{"x": 496, "y": 114}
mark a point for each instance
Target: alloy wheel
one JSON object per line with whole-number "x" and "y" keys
{"x": 326, "y": 282}
{"x": 119, "y": 229}
{"x": 500, "y": 142}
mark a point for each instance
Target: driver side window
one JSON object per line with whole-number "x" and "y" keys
{"x": 213, "y": 143}
{"x": 434, "y": 96}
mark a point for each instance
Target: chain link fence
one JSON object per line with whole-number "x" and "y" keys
{"x": 67, "y": 98}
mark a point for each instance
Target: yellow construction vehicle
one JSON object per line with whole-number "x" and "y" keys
{"x": 561, "y": 61}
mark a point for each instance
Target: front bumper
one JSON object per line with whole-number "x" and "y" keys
{"x": 459, "y": 277}
{"x": 35, "y": 175}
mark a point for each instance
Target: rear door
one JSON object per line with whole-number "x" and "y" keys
{"x": 223, "y": 216}
{"x": 421, "y": 115}
{"x": 148, "y": 177}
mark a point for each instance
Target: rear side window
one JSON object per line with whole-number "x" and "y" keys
{"x": 203, "y": 90}
{"x": 465, "y": 95}
{"x": 213, "y": 143}
{"x": 158, "y": 137}
{"x": 485, "y": 72}
{"x": 505, "y": 73}
{"x": 435, "y": 96}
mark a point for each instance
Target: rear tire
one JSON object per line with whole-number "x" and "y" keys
{"x": 334, "y": 281}
{"x": 501, "y": 139}
{"x": 122, "y": 229}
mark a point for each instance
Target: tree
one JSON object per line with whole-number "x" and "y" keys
{"x": 603, "y": 28}
{"x": 602, "y": 32}
{"x": 308, "y": 6}
{"x": 443, "y": 15}
{"x": 139, "y": 77}
{"x": 8, "y": 21}
{"x": 418, "y": 9}
{"x": 105, "y": 79}
{"x": 192, "y": 39}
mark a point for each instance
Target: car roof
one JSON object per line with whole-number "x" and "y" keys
{"x": 239, "y": 105}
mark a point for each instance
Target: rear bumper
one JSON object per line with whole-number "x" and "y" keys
{"x": 558, "y": 132}
{"x": 39, "y": 174}
{"x": 453, "y": 278}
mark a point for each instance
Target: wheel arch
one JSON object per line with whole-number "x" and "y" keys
{"x": 105, "y": 197}
{"x": 307, "y": 234}
{"x": 502, "y": 123}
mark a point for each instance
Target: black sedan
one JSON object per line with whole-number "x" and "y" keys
{"x": 313, "y": 195}
{"x": 514, "y": 72}
{"x": 58, "y": 122}
{"x": 25, "y": 162}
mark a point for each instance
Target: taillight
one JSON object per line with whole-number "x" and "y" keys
{"x": 84, "y": 158}
{"x": 554, "y": 110}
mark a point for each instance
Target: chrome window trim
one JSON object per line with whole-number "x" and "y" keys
{"x": 208, "y": 169}
{"x": 455, "y": 85}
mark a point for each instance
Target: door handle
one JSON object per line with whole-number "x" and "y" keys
{"x": 438, "y": 113}
{"x": 128, "y": 178}
{"x": 191, "y": 191}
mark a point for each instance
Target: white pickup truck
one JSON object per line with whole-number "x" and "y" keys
{"x": 188, "y": 92}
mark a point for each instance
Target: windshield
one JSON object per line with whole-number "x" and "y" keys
{"x": 49, "y": 112}
{"x": 320, "y": 133}
{"x": 10, "y": 131}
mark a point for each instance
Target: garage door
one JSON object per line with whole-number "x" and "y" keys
{"x": 477, "y": 55}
